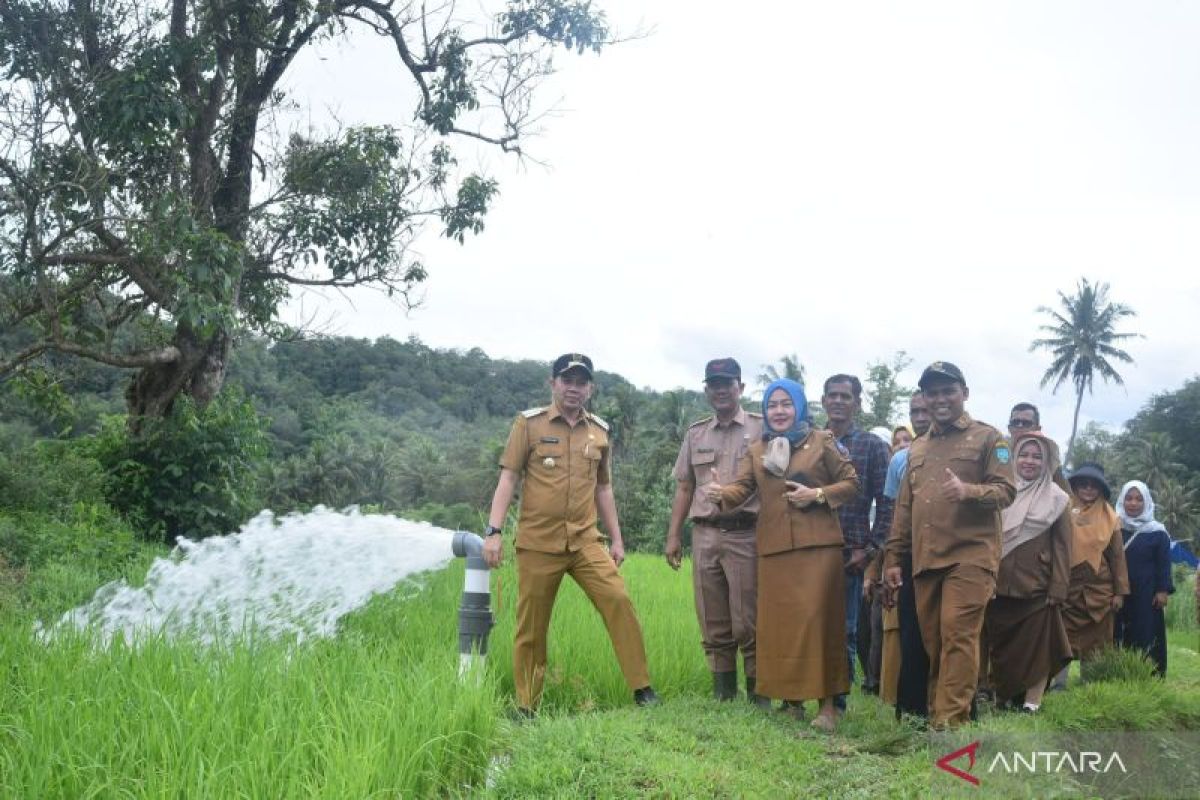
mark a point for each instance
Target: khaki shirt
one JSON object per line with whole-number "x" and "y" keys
{"x": 562, "y": 466}
{"x": 941, "y": 533}
{"x": 780, "y": 526}
{"x": 709, "y": 445}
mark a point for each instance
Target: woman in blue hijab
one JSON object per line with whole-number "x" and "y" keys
{"x": 802, "y": 476}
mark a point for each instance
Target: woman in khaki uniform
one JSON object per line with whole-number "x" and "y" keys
{"x": 1099, "y": 581}
{"x": 802, "y": 476}
{"x": 1024, "y": 624}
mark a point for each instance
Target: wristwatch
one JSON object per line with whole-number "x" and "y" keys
{"x": 820, "y": 495}
{"x": 492, "y": 530}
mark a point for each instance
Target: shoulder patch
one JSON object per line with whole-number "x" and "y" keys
{"x": 598, "y": 421}
{"x": 1003, "y": 453}
{"x": 701, "y": 421}
{"x": 529, "y": 413}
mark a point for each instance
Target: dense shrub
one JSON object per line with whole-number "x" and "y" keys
{"x": 85, "y": 533}
{"x": 194, "y": 473}
{"x": 456, "y": 517}
{"x": 52, "y": 475}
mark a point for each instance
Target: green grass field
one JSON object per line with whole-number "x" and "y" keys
{"x": 378, "y": 711}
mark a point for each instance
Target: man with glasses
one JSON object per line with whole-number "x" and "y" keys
{"x": 1024, "y": 418}
{"x": 724, "y": 555}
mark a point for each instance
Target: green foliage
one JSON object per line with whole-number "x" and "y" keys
{"x": 1176, "y": 414}
{"x": 456, "y": 517}
{"x": 1118, "y": 664}
{"x": 191, "y": 474}
{"x": 887, "y": 399}
{"x": 154, "y": 205}
{"x": 49, "y": 476}
{"x": 92, "y": 533}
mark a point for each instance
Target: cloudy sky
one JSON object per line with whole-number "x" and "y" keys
{"x": 835, "y": 180}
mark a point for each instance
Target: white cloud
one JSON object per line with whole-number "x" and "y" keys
{"x": 839, "y": 181}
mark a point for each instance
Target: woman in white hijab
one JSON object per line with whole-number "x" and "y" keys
{"x": 1141, "y": 623}
{"x": 1024, "y": 624}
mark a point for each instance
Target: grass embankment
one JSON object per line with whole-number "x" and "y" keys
{"x": 378, "y": 711}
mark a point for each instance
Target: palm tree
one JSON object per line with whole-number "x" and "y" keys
{"x": 1176, "y": 507}
{"x": 789, "y": 367}
{"x": 1153, "y": 458}
{"x": 1081, "y": 338}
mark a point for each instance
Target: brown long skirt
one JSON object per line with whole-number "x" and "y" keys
{"x": 889, "y": 673}
{"x": 1028, "y": 644}
{"x": 1088, "y": 612}
{"x": 801, "y": 636}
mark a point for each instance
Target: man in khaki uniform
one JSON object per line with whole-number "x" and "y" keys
{"x": 563, "y": 453}
{"x": 724, "y": 558}
{"x": 948, "y": 517}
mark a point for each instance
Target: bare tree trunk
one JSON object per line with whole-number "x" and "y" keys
{"x": 1074, "y": 427}
{"x": 198, "y": 372}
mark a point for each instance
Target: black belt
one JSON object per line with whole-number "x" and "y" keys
{"x": 739, "y": 522}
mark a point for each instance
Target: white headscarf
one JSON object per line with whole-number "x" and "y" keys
{"x": 1039, "y": 502}
{"x": 1143, "y": 522}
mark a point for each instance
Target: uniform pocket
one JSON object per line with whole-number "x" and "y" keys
{"x": 549, "y": 456}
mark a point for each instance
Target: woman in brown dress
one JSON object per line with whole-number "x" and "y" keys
{"x": 1099, "y": 581}
{"x": 1024, "y": 623}
{"x": 801, "y": 476}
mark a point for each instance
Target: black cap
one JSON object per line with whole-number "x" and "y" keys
{"x": 571, "y": 361}
{"x": 1093, "y": 471}
{"x": 941, "y": 369}
{"x": 722, "y": 368}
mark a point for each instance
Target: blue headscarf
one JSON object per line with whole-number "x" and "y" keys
{"x": 800, "y": 426}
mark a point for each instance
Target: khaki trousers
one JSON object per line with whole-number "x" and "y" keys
{"x": 538, "y": 578}
{"x": 725, "y": 580}
{"x": 950, "y": 605}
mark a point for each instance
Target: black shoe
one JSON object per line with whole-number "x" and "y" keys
{"x": 646, "y": 696}
{"x": 794, "y": 709}
{"x": 520, "y": 714}
{"x": 724, "y": 685}
{"x": 870, "y": 688}
{"x": 756, "y": 699}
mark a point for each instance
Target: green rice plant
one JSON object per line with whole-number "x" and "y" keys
{"x": 378, "y": 711}
{"x": 1118, "y": 664}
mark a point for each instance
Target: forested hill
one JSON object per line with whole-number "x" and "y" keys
{"x": 399, "y": 426}
{"x": 406, "y": 428}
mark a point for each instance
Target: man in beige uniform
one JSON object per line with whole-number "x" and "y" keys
{"x": 724, "y": 558}
{"x": 563, "y": 453}
{"x": 948, "y": 517}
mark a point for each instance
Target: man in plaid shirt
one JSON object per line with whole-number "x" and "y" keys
{"x": 842, "y": 400}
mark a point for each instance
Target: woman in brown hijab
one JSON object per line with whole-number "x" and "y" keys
{"x": 801, "y": 476}
{"x": 1024, "y": 621}
{"x": 1099, "y": 581}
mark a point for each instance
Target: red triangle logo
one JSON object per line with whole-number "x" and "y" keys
{"x": 969, "y": 751}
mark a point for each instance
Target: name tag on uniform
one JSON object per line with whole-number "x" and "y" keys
{"x": 705, "y": 450}
{"x": 549, "y": 440}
